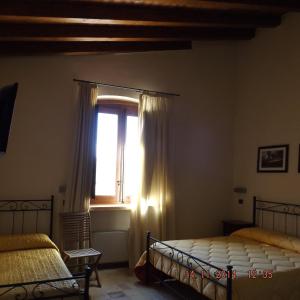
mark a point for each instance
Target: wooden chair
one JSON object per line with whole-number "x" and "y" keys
{"x": 76, "y": 242}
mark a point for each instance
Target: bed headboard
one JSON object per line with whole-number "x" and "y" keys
{"x": 277, "y": 216}
{"x": 27, "y": 216}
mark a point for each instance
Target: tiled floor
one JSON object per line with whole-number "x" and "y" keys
{"x": 120, "y": 284}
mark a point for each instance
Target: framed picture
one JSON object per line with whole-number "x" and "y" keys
{"x": 299, "y": 160}
{"x": 273, "y": 159}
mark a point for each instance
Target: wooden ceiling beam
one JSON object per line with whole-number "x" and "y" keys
{"x": 276, "y": 6}
{"x": 17, "y": 11}
{"x": 99, "y": 26}
{"x": 225, "y": 22}
{"x": 287, "y": 4}
{"x": 263, "y": 6}
{"x": 27, "y": 32}
{"x": 46, "y": 48}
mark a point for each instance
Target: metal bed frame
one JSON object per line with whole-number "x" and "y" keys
{"x": 18, "y": 211}
{"x": 289, "y": 212}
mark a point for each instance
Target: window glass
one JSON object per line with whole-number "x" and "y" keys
{"x": 117, "y": 153}
{"x": 107, "y": 147}
{"x": 131, "y": 158}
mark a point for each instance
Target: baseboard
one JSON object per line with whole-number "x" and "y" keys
{"x": 114, "y": 265}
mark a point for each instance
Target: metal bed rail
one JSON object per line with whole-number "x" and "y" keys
{"x": 30, "y": 290}
{"x": 193, "y": 264}
{"x": 18, "y": 211}
{"x": 283, "y": 217}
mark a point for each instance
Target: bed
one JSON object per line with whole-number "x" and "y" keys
{"x": 30, "y": 263}
{"x": 253, "y": 263}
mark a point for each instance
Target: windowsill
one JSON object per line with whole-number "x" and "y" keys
{"x": 109, "y": 207}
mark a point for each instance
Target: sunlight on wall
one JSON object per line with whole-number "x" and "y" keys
{"x": 145, "y": 204}
{"x": 121, "y": 98}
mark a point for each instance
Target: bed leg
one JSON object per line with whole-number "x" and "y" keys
{"x": 148, "y": 258}
{"x": 229, "y": 283}
{"x": 88, "y": 273}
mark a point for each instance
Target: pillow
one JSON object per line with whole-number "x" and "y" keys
{"x": 269, "y": 237}
{"x": 25, "y": 241}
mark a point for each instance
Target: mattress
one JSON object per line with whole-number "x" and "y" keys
{"x": 261, "y": 270}
{"x": 28, "y": 265}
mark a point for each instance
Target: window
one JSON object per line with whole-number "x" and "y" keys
{"x": 116, "y": 152}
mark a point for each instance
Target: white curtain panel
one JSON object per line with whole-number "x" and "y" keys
{"x": 153, "y": 209}
{"x": 80, "y": 181}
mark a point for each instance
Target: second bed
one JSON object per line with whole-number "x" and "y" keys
{"x": 252, "y": 263}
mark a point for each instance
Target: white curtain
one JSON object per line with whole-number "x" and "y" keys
{"x": 153, "y": 209}
{"x": 81, "y": 179}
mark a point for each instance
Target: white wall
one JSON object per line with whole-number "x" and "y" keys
{"x": 268, "y": 112}
{"x": 204, "y": 141}
{"x": 40, "y": 143}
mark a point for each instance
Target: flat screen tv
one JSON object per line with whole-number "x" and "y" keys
{"x": 7, "y": 101}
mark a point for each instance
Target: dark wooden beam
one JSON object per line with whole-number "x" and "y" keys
{"x": 287, "y": 4}
{"x": 94, "y": 32}
{"x": 247, "y": 22}
{"x": 72, "y": 10}
{"x": 239, "y": 5}
{"x": 263, "y": 6}
{"x": 45, "y": 48}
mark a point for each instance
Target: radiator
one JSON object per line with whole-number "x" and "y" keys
{"x": 113, "y": 244}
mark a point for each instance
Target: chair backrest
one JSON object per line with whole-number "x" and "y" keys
{"x": 76, "y": 230}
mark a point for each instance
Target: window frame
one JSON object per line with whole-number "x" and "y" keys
{"x": 122, "y": 108}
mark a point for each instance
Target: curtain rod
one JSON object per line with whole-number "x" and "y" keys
{"x": 125, "y": 87}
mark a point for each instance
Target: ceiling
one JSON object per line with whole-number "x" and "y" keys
{"x": 95, "y": 26}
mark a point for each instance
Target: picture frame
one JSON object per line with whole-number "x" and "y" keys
{"x": 299, "y": 160}
{"x": 273, "y": 159}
